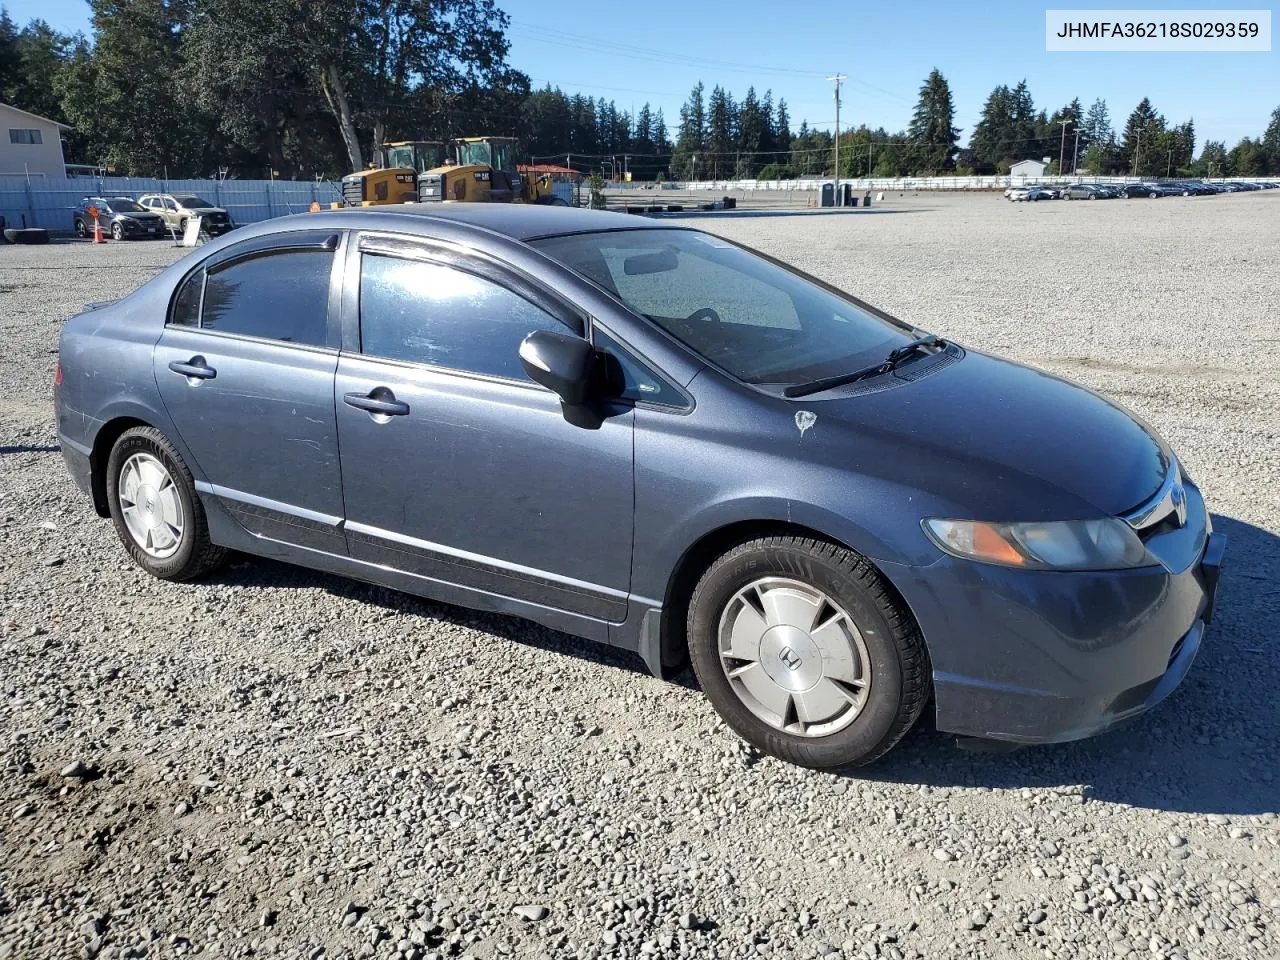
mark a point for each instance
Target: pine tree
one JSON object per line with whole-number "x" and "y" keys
{"x": 1142, "y": 133}
{"x": 932, "y": 132}
{"x": 691, "y": 140}
{"x": 720, "y": 132}
{"x": 1271, "y": 142}
{"x": 752, "y": 128}
{"x": 1096, "y": 127}
{"x": 782, "y": 127}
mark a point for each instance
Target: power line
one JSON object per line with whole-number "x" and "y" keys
{"x": 549, "y": 35}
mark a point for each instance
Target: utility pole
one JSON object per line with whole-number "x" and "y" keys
{"x": 868, "y": 159}
{"x": 1062, "y": 147}
{"x": 1075, "y": 157}
{"x": 1168, "y": 171}
{"x": 1137, "y": 147}
{"x": 838, "y": 78}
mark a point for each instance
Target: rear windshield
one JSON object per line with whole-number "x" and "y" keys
{"x": 761, "y": 322}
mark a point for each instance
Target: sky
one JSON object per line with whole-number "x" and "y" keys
{"x": 657, "y": 50}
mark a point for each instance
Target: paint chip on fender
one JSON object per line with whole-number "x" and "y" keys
{"x": 804, "y": 420}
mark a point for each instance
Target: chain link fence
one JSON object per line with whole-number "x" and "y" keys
{"x": 48, "y": 203}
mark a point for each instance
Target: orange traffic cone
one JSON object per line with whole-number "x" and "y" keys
{"x": 97, "y": 231}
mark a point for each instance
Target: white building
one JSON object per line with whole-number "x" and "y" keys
{"x": 30, "y": 146}
{"x": 1028, "y": 168}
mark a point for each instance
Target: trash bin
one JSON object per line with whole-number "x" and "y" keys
{"x": 846, "y": 195}
{"x": 866, "y": 201}
{"x": 827, "y": 195}
{"x": 730, "y": 203}
{"x": 853, "y": 201}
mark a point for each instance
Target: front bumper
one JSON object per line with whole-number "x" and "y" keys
{"x": 1046, "y": 657}
{"x": 138, "y": 228}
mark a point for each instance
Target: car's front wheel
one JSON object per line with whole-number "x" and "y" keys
{"x": 806, "y": 652}
{"x": 155, "y": 509}
{"x": 117, "y": 231}
{"x": 82, "y": 231}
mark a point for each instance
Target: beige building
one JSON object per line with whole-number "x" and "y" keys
{"x": 30, "y": 145}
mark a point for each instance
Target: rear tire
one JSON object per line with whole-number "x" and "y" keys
{"x": 823, "y": 621}
{"x": 150, "y": 489}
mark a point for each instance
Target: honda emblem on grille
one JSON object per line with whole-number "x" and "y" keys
{"x": 1178, "y": 498}
{"x": 789, "y": 658}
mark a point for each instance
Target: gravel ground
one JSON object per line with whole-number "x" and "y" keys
{"x": 275, "y": 762}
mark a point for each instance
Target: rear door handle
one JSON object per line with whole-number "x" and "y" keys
{"x": 378, "y": 400}
{"x": 196, "y": 367}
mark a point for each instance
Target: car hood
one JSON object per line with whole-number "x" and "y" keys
{"x": 1000, "y": 441}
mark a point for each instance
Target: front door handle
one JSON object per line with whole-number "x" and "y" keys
{"x": 378, "y": 400}
{"x": 196, "y": 368}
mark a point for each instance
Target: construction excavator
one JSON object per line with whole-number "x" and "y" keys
{"x": 483, "y": 170}
{"x": 393, "y": 177}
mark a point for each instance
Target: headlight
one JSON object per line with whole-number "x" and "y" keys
{"x": 1105, "y": 544}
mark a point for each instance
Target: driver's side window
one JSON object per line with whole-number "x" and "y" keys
{"x": 426, "y": 312}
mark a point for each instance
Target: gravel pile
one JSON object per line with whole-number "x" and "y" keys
{"x": 273, "y": 762}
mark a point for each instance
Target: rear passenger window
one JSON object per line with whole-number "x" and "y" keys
{"x": 430, "y": 313}
{"x": 186, "y": 305}
{"x": 277, "y": 296}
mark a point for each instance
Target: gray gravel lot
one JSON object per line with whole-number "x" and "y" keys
{"x": 276, "y": 762}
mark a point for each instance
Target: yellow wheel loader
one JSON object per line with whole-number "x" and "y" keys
{"x": 483, "y": 170}
{"x": 394, "y": 175}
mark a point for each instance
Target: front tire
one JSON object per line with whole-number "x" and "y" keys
{"x": 806, "y": 652}
{"x": 117, "y": 231}
{"x": 155, "y": 509}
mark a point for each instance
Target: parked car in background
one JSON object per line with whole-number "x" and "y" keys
{"x": 1134, "y": 190}
{"x": 1030, "y": 193}
{"x": 533, "y": 407}
{"x": 1088, "y": 191}
{"x": 121, "y": 217}
{"x": 178, "y": 208}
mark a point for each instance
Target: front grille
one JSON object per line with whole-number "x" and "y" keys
{"x": 431, "y": 188}
{"x": 353, "y": 191}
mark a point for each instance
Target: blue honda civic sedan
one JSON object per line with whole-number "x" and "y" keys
{"x": 651, "y": 437}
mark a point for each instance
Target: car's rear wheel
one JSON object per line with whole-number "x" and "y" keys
{"x": 806, "y": 652}
{"x": 1153, "y": 195}
{"x": 82, "y": 231}
{"x": 117, "y": 231}
{"x": 182, "y": 226}
{"x": 155, "y": 509}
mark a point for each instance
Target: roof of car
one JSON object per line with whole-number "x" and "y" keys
{"x": 520, "y": 221}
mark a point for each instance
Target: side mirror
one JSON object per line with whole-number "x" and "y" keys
{"x": 561, "y": 363}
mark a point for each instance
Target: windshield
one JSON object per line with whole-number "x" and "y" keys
{"x": 757, "y": 320}
{"x": 193, "y": 202}
{"x": 121, "y": 205}
{"x": 469, "y": 153}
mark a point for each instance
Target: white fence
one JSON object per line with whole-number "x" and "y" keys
{"x": 907, "y": 183}
{"x": 48, "y": 203}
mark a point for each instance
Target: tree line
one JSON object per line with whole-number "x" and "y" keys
{"x": 309, "y": 88}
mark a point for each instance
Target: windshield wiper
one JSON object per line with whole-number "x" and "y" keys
{"x": 894, "y": 358}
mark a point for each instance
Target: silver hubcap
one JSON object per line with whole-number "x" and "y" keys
{"x": 794, "y": 657}
{"x": 150, "y": 505}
